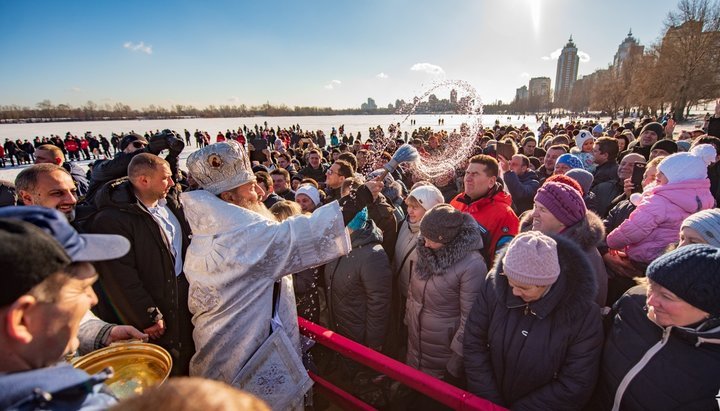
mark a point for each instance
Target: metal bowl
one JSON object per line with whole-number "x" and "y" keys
{"x": 136, "y": 366}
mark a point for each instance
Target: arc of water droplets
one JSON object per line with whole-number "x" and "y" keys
{"x": 454, "y": 150}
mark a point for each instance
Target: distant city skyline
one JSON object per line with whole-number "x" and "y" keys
{"x": 327, "y": 53}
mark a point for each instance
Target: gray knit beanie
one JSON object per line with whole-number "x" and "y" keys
{"x": 707, "y": 224}
{"x": 442, "y": 223}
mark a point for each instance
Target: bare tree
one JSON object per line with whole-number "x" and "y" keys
{"x": 689, "y": 60}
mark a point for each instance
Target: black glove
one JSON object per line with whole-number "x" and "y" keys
{"x": 158, "y": 143}
{"x": 354, "y": 202}
{"x": 175, "y": 145}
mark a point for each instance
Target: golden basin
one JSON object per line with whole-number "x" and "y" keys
{"x": 136, "y": 366}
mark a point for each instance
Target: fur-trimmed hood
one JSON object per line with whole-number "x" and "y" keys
{"x": 587, "y": 233}
{"x": 574, "y": 289}
{"x": 436, "y": 262}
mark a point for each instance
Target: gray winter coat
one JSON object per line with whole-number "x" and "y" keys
{"x": 443, "y": 286}
{"x": 359, "y": 287}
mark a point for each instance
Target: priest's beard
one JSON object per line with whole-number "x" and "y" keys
{"x": 259, "y": 208}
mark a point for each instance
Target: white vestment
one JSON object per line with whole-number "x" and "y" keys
{"x": 233, "y": 260}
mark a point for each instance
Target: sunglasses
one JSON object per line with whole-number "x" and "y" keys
{"x": 138, "y": 144}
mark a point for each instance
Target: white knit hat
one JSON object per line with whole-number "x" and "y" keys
{"x": 582, "y": 137}
{"x": 428, "y": 196}
{"x": 688, "y": 166}
{"x": 309, "y": 191}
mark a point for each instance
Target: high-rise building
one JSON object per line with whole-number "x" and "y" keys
{"x": 627, "y": 48}
{"x": 567, "y": 72}
{"x": 453, "y": 96}
{"x": 539, "y": 90}
{"x": 521, "y": 94}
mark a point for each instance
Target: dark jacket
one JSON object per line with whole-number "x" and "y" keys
{"x": 287, "y": 195}
{"x": 542, "y": 355}
{"x": 272, "y": 199}
{"x": 615, "y": 217}
{"x": 108, "y": 170}
{"x": 60, "y": 387}
{"x": 317, "y": 174}
{"x": 359, "y": 287}
{"x": 522, "y": 189}
{"x": 145, "y": 277}
{"x": 714, "y": 127}
{"x": 606, "y": 193}
{"x": 385, "y": 218}
{"x": 605, "y": 172}
{"x": 682, "y": 371}
{"x": 78, "y": 176}
{"x": 588, "y": 233}
{"x": 444, "y": 284}
{"x": 542, "y": 174}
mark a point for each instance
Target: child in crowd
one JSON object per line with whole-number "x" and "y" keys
{"x": 681, "y": 188}
{"x": 584, "y": 141}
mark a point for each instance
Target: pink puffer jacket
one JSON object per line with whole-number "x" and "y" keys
{"x": 656, "y": 221}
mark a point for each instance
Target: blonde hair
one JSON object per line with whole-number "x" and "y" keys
{"x": 282, "y": 210}
{"x": 192, "y": 394}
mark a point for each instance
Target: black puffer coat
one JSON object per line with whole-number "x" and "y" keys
{"x": 359, "y": 287}
{"x": 542, "y": 355}
{"x": 682, "y": 374}
{"x": 145, "y": 277}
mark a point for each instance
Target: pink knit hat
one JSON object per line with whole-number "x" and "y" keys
{"x": 565, "y": 203}
{"x": 532, "y": 259}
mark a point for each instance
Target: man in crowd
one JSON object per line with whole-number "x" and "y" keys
{"x": 281, "y": 184}
{"x": 315, "y": 169}
{"x": 607, "y": 192}
{"x": 605, "y": 151}
{"x": 649, "y": 135}
{"x": 50, "y": 154}
{"x": 663, "y": 148}
{"x": 335, "y": 175}
{"x": 266, "y": 183}
{"x": 48, "y": 185}
{"x": 47, "y": 294}
{"x": 521, "y": 182}
{"x": 485, "y": 199}
{"x": 237, "y": 254}
{"x": 147, "y": 287}
{"x": 548, "y": 167}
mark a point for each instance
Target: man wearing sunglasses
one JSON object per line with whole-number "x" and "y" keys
{"x": 131, "y": 145}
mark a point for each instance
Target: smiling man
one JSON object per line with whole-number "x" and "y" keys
{"x": 48, "y": 185}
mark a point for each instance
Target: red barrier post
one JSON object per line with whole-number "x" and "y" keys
{"x": 432, "y": 387}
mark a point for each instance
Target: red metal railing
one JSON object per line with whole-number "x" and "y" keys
{"x": 434, "y": 388}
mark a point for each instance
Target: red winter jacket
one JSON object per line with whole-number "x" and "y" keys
{"x": 71, "y": 145}
{"x": 494, "y": 212}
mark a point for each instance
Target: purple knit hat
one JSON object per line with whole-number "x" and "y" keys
{"x": 565, "y": 203}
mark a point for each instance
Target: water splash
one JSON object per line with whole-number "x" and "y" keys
{"x": 455, "y": 148}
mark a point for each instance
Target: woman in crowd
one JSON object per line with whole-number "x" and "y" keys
{"x": 533, "y": 338}
{"x": 701, "y": 228}
{"x": 663, "y": 350}
{"x": 443, "y": 286}
{"x": 418, "y": 202}
{"x": 308, "y": 197}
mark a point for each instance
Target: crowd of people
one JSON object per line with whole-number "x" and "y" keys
{"x": 572, "y": 267}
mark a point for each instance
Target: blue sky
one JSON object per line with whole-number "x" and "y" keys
{"x": 321, "y": 53}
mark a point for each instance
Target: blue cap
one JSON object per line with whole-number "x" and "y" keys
{"x": 80, "y": 247}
